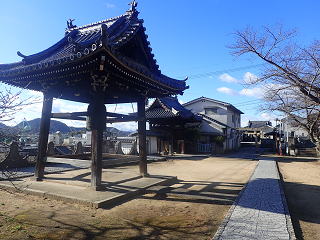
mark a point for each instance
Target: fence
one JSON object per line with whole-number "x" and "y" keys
{"x": 204, "y": 148}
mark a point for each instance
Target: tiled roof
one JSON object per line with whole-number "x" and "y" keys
{"x": 168, "y": 107}
{"x": 259, "y": 124}
{"x": 79, "y": 42}
{"x": 63, "y": 150}
{"x": 209, "y": 119}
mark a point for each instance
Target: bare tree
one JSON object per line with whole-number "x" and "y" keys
{"x": 290, "y": 76}
{"x": 10, "y": 104}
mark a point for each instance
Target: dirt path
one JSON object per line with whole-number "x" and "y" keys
{"x": 302, "y": 188}
{"x": 149, "y": 216}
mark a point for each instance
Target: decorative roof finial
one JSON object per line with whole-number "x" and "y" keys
{"x": 133, "y": 11}
{"x": 69, "y": 23}
{"x": 133, "y": 6}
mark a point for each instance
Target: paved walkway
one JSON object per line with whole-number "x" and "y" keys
{"x": 260, "y": 210}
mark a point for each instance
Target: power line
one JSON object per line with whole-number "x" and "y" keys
{"x": 210, "y": 65}
{"x": 253, "y": 103}
{"x": 209, "y": 74}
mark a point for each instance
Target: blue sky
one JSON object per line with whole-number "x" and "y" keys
{"x": 187, "y": 37}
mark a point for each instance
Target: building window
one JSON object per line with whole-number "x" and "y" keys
{"x": 210, "y": 111}
{"x": 224, "y": 131}
{"x": 233, "y": 118}
{"x": 292, "y": 134}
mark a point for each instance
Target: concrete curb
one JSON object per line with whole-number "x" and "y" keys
{"x": 130, "y": 187}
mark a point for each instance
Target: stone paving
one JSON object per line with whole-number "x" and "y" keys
{"x": 260, "y": 210}
{"x": 29, "y": 171}
{"x": 54, "y": 168}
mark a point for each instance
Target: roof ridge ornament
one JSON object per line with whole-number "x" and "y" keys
{"x": 69, "y": 23}
{"x": 104, "y": 38}
{"x": 133, "y": 11}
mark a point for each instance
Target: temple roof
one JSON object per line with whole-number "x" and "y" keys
{"x": 259, "y": 124}
{"x": 169, "y": 107}
{"x": 114, "y": 52}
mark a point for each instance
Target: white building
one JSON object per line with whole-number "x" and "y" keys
{"x": 85, "y": 139}
{"x": 56, "y": 138}
{"x": 290, "y": 127}
{"x": 218, "y": 119}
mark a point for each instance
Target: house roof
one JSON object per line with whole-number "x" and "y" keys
{"x": 228, "y": 105}
{"x": 212, "y": 120}
{"x": 167, "y": 107}
{"x": 114, "y": 52}
{"x": 259, "y": 124}
{"x": 150, "y": 133}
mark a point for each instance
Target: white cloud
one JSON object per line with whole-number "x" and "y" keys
{"x": 73, "y": 123}
{"x": 227, "y": 78}
{"x": 127, "y": 126}
{"x": 249, "y": 77}
{"x": 65, "y": 106}
{"x": 256, "y": 92}
{"x": 35, "y": 93}
{"x": 122, "y": 108}
{"x": 228, "y": 91}
{"x": 109, "y": 5}
{"x": 266, "y": 116}
{"x": 33, "y": 108}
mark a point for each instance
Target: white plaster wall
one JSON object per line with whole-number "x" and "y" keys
{"x": 207, "y": 128}
{"x": 55, "y": 138}
{"x": 298, "y": 132}
{"x": 199, "y": 107}
{"x": 152, "y": 144}
{"x": 223, "y": 115}
{"x": 88, "y": 138}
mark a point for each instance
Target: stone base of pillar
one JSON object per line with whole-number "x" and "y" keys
{"x": 146, "y": 175}
{"x": 98, "y": 188}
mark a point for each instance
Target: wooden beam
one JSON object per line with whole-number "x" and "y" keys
{"x": 124, "y": 119}
{"x": 68, "y": 114}
{"x": 43, "y": 136}
{"x": 110, "y": 114}
{"x": 67, "y": 117}
{"x": 142, "y": 138}
{"x": 98, "y": 125}
{"x": 116, "y": 117}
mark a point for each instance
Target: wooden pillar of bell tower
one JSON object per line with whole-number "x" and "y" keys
{"x": 96, "y": 111}
{"x": 43, "y": 136}
{"x": 142, "y": 138}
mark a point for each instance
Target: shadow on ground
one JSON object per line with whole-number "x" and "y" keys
{"x": 242, "y": 153}
{"x": 195, "y": 157}
{"x": 287, "y": 159}
{"x": 199, "y": 191}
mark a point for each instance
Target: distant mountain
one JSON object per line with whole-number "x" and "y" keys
{"x": 62, "y": 127}
{"x": 54, "y": 126}
{"x": 118, "y": 132}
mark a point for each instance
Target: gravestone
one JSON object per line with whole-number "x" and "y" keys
{"x": 13, "y": 159}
